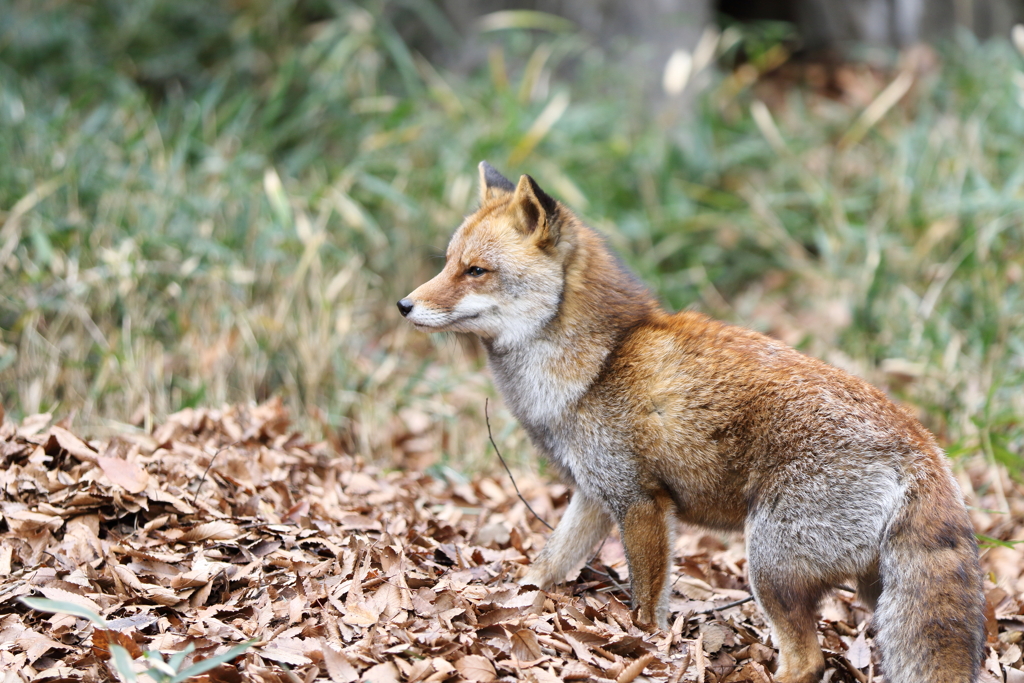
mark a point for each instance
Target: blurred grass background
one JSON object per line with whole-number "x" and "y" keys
{"x": 204, "y": 203}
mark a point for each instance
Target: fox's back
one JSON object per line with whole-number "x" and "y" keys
{"x": 740, "y": 408}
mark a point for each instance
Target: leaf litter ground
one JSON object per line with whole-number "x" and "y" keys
{"x": 222, "y": 526}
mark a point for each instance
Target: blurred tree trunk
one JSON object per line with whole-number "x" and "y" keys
{"x": 664, "y": 24}
{"x": 839, "y": 25}
{"x": 657, "y": 27}
{"x": 651, "y": 29}
{"x": 897, "y": 23}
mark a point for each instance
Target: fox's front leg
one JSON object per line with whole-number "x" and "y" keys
{"x": 646, "y": 528}
{"x": 585, "y": 523}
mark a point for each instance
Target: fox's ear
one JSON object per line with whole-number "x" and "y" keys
{"x": 492, "y": 183}
{"x": 538, "y": 212}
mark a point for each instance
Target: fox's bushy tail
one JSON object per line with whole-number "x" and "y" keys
{"x": 930, "y": 618}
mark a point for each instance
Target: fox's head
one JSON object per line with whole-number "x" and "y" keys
{"x": 504, "y": 274}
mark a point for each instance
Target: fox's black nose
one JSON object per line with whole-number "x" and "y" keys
{"x": 404, "y": 306}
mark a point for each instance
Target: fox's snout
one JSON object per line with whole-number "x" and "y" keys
{"x": 405, "y": 306}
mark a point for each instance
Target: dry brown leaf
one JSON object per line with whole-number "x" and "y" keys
{"x": 695, "y": 589}
{"x": 699, "y": 658}
{"x": 714, "y": 636}
{"x": 225, "y": 673}
{"x": 363, "y": 614}
{"x": 581, "y": 650}
{"x": 212, "y": 531}
{"x": 102, "y": 639}
{"x": 73, "y": 445}
{"x": 286, "y": 650}
{"x": 760, "y": 673}
{"x": 526, "y": 599}
{"x": 33, "y": 424}
{"x": 476, "y": 668}
{"x": 1011, "y": 655}
{"x": 576, "y": 670}
{"x": 635, "y": 669}
{"x": 164, "y": 596}
{"x": 36, "y": 644}
{"x": 388, "y": 599}
{"x": 127, "y": 475}
{"x": 338, "y": 667}
{"x": 859, "y": 653}
{"x": 1014, "y": 676}
{"x": 26, "y": 521}
{"x": 381, "y": 673}
{"x": 525, "y": 646}
{"x": 54, "y": 593}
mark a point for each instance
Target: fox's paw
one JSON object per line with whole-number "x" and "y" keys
{"x": 651, "y": 622}
{"x": 808, "y": 672}
{"x": 535, "y": 576}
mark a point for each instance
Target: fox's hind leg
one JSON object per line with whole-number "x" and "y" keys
{"x": 585, "y": 523}
{"x": 791, "y": 604}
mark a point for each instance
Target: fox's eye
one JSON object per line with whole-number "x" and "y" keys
{"x": 475, "y": 271}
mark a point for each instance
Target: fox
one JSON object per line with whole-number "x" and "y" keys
{"x": 656, "y": 419}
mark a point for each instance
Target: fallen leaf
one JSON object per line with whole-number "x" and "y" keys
{"x": 338, "y": 667}
{"x": 212, "y": 531}
{"x": 102, "y": 639}
{"x": 73, "y": 445}
{"x": 859, "y": 654}
{"x": 362, "y": 614}
{"x": 127, "y": 475}
{"x": 476, "y": 668}
{"x": 635, "y": 669}
{"x": 1014, "y": 676}
{"x": 36, "y": 644}
{"x": 525, "y": 645}
{"x": 54, "y": 593}
{"x": 381, "y": 673}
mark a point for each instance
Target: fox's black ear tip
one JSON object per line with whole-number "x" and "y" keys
{"x": 493, "y": 179}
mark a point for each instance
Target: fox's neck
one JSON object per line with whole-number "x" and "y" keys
{"x": 601, "y": 303}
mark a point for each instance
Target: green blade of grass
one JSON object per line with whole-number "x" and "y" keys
{"x": 524, "y": 19}
{"x": 63, "y": 607}
{"x": 988, "y": 541}
{"x": 212, "y": 662}
{"x": 123, "y": 664}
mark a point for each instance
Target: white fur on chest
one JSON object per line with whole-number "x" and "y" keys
{"x": 536, "y": 383}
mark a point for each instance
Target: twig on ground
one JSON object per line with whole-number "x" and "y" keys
{"x": 615, "y": 584}
{"x": 207, "y": 470}
{"x": 487, "y": 418}
{"x": 734, "y": 603}
{"x": 741, "y": 601}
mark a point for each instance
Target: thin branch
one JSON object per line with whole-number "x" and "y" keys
{"x": 607, "y": 574}
{"x": 207, "y": 471}
{"x": 727, "y": 605}
{"x": 741, "y": 601}
{"x": 487, "y": 418}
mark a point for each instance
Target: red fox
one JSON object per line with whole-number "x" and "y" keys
{"x": 656, "y": 417}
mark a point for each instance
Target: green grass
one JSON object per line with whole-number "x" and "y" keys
{"x": 213, "y": 204}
